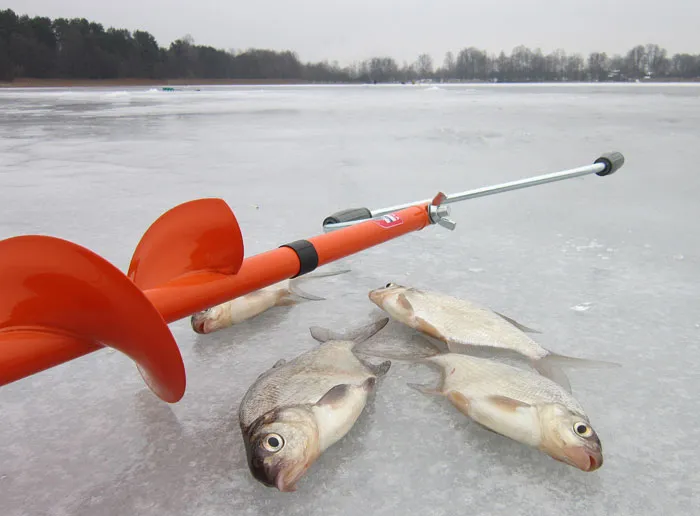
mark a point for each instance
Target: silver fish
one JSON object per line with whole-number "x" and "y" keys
{"x": 299, "y": 408}
{"x": 462, "y": 324}
{"x": 235, "y": 311}
{"x": 519, "y": 404}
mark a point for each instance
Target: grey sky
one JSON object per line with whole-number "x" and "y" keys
{"x": 349, "y": 30}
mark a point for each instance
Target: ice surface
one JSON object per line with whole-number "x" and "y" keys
{"x": 97, "y": 166}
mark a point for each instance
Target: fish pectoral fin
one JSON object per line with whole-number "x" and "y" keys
{"x": 460, "y": 401}
{"x": 515, "y": 323}
{"x": 506, "y": 403}
{"x": 405, "y": 303}
{"x": 425, "y": 327}
{"x": 334, "y": 396}
{"x": 431, "y": 391}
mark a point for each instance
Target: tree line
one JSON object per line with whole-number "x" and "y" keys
{"x": 76, "y": 48}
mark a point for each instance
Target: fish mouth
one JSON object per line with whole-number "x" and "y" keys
{"x": 583, "y": 457}
{"x": 198, "y": 324}
{"x": 377, "y": 296}
{"x": 286, "y": 480}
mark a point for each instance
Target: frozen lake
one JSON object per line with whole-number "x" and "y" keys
{"x": 606, "y": 268}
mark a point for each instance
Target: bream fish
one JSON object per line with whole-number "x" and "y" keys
{"x": 235, "y": 311}
{"x": 462, "y": 324}
{"x": 519, "y": 404}
{"x": 299, "y": 408}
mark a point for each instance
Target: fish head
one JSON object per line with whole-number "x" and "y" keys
{"x": 387, "y": 298}
{"x": 208, "y": 320}
{"x": 569, "y": 437}
{"x": 281, "y": 446}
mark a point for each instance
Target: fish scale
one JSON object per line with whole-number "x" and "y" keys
{"x": 466, "y": 323}
{"x": 479, "y": 378}
{"x": 304, "y": 379}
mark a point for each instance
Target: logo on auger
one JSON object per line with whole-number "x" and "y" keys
{"x": 389, "y": 221}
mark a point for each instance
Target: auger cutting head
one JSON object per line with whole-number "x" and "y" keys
{"x": 61, "y": 301}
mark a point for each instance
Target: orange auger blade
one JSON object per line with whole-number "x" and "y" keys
{"x": 60, "y": 301}
{"x": 197, "y": 236}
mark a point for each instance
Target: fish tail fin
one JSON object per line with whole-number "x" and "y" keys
{"x": 379, "y": 370}
{"x": 436, "y": 390}
{"x": 320, "y": 274}
{"x": 551, "y": 366}
{"x": 569, "y": 361}
{"x": 405, "y": 351}
{"x": 551, "y": 370}
{"x": 297, "y": 294}
{"x": 357, "y": 335}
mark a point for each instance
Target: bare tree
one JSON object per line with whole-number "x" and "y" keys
{"x": 635, "y": 62}
{"x": 424, "y": 66}
{"x": 598, "y": 66}
{"x": 657, "y": 60}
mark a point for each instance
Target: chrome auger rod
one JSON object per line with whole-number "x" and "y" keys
{"x": 605, "y": 165}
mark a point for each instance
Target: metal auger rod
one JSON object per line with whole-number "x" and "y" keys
{"x": 603, "y": 166}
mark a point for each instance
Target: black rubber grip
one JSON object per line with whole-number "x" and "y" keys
{"x": 308, "y": 257}
{"x": 348, "y": 216}
{"x": 612, "y": 161}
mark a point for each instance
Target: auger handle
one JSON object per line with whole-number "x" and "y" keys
{"x": 605, "y": 165}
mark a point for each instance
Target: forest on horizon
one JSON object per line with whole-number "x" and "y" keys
{"x": 42, "y": 48}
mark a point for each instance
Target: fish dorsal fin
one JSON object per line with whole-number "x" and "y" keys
{"x": 404, "y": 303}
{"x": 515, "y": 323}
{"x": 506, "y": 403}
{"x": 279, "y": 363}
{"x": 334, "y": 396}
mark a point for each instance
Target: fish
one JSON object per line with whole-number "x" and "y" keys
{"x": 297, "y": 409}
{"x": 518, "y": 404}
{"x": 463, "y": 325}
{"x": 235, "y": 311}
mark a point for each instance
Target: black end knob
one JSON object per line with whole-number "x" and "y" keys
{"x": 612, "y": 161}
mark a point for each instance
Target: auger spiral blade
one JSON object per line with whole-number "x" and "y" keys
{"x": 194, "y": 237}
{"x": 61, "y": 301}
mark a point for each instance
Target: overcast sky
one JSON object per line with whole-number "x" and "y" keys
{"x": 349, "y": 30}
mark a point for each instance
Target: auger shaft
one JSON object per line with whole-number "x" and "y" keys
{"x": 605, "y": 165}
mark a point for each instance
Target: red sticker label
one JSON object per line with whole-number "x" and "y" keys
{"x": 389, "y": 221}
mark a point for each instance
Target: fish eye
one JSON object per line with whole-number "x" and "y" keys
{"x": 583, "y": 429}
{"x": 388, "y": 285}
{"x": 273, "y": 442}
